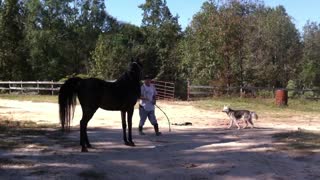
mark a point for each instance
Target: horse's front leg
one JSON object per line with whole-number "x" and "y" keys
{"x": 130, "y": 114}
{"x": 124, "y": 127}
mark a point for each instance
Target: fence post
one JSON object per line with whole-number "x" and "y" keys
{"x": 165, "y": 90}
{"x": 52, "y": 87}
{"x": 274, "y": 91}
{"x": 188, "y": 90}
{"x": 21, "y": 86}
{"x": 9, "y": 87}
{"x": 38, "y": 87}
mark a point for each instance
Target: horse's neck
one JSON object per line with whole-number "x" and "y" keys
{"x": 127, "y": 79}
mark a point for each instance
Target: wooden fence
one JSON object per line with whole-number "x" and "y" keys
{"x": 165, "y": 89}
{"x": 30, "y": 86}
{"x": 196, "y": 92}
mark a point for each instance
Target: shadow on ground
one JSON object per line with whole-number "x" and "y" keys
{"x": 187, "y": 153}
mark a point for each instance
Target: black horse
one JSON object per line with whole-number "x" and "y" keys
{"x": 93, "y": 93}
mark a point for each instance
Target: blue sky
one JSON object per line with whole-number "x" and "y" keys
{"x": 128, "y": 11}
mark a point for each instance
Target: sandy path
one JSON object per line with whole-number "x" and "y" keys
{"x": 205, "y": 150}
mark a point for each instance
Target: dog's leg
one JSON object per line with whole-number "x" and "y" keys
{"x": 231, "y": 123}
{"x": 250, "y": 121}
{"x": 235, "y": 121}
{"x": 246, "y": 121}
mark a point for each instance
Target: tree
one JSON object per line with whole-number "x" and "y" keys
{"x": 114, "y": 51}
{"x": 214, "y": 43}
{"x": 274, "y": 48}
{"x": 311, "y": 55}
{"x": 62, "y": 35}
{"x": 13, "y": 53}
{"x": 161, "y": 33}
{"x": 240, "y": 43}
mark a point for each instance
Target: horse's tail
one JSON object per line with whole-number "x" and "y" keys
{"x": 67, "y": 101}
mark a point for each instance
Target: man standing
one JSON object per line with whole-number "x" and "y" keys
{"x": 147, "y": 105}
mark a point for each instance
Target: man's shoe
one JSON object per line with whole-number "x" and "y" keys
{"x": 156, "y": 130}
{"x": 140, "y": 131}
{"x": 158, "y": 133}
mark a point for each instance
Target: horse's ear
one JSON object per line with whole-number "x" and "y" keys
{"x": 132, "y": 60}
{"x": 138, "y": 60}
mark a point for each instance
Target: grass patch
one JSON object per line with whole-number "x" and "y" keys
{"x": 258, "y": 104}
{"x": 10, "y": 162}
{"x": 91, "y": 174}
{"x": 299, "y": 140}
{"x": 5, "y": 124}
{"x": 40, "y": 172}
{"x": 33, "y": 98}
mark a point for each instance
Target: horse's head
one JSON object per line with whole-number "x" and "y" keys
{"x": 135, "y": 69}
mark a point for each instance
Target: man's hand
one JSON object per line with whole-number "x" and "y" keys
{"x": 154, "y": 100}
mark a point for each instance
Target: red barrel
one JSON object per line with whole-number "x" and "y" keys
{"x": 281, "y": 97}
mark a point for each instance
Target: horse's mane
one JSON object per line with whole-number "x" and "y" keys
{"x": 127, "y": 77}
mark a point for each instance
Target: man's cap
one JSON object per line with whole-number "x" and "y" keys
{"x": 147, "y": 77}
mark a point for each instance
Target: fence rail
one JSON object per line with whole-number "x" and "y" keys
{"x": 165, "y": 89}
{"x": 30, "y": 86}
{"x": 195, "y": 91}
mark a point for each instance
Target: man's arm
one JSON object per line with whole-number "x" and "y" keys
{"x": 143, "y": 93}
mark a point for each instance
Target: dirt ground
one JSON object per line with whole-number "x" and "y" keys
{"x": 205, "y": 150}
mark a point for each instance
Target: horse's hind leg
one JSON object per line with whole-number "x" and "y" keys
{"x": 87, "y": 114}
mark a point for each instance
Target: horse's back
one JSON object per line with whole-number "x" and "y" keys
{"x": 96, "y": 93}
{"x": 117, "y": 97}
{"x": 90, "y": 92}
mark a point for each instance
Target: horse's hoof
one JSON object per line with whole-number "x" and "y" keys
{"x": 84, "y": 149}
{"x": 89, "y": 146}
{"x": 129, "y": 143}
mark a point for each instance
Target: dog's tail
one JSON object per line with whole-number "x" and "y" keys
{"x": 254, "y": 116}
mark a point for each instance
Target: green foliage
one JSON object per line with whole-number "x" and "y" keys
{"x": 13, "y": 52}
{"x": 61, "y": 37}
{"x": 227, "y": 43}
{"x": 238, "y": 43}
{"x": 308, "y": 94}
{"x": 161, "y": 35}
{"x": 292, "y": 89}
{"x": 114, "y": 51}
{"x": 265, "y": 94}
{"x": 84, "y": 76}
{"x": 311, "y": 55}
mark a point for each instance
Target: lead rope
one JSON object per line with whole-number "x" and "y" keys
{"x": 165, "y": 115}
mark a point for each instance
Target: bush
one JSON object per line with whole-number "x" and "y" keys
{"x": 308, "y": 94}
{"x": 292, "y": 89}
{"x": 74, "y": 75}
{"x": 265, "y": 94}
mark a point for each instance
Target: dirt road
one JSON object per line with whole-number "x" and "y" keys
{"x": 205, "y": 150}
